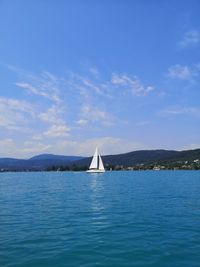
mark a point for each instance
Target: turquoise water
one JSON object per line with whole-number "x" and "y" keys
{"x": 113, "y": 219}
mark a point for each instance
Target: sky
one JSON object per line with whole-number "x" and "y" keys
{"x": 121, "y": 75}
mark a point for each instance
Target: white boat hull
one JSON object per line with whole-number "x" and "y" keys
{"x": 95, "y": 171}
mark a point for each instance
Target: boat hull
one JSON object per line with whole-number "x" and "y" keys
{"x": 95, "y": 171}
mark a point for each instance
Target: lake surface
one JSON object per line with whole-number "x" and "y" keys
{"x": 143, "y": 218}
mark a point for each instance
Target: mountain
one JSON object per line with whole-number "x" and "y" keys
{"x": 40, "y": 162}
{"x": 44, "y": 161}
{"x": 11, "y": 164}
{"x": 55, "y": 157}
{"x": 145, "y": 157}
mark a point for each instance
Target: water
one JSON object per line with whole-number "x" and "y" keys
{"x": 113, "y": 219}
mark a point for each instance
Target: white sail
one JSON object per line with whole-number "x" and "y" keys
{"x": 101, "y": 167}
{"x": 94, "y": 163}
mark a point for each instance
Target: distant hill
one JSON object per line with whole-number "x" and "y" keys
{"x": 145, "y": 157}
{"x": 40, "y": 162}
{"x": 44, "y": 161}
{"x": 55, "y": 157}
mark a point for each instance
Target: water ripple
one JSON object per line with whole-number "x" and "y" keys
{"x": 112, "y": 219}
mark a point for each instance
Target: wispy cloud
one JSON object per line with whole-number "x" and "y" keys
{"x": 52, "y": 115}
{"x": 94, "y": 71}
{"x": 181, "y": 110}
{"x": 76, "y": 101}
{"x": 191, "y": 38}
{"x": 91, "y": 114}
{"x": 38, "y": 91}
{"x": 132, "y": 83}
{"x": 28, "y": 149}
{"x": 32, "y": 149}
{"x": 191, "y": 146}
{"x": 180, "y": 72}
{"x": 82, "y": 122}
{"x": 88, "y": 83}
{"x": 58, "y": 127}
{"x": 15, "y": 104}
{"x": 57, "y": 130}
{"x": 15, "y": 114}
{"x": 20, "y": 115}
{"x": 185, "y": 73}
{"x": 107, "y": 145}
{"x": 7, "y": 146}
{"x": 45, "y": 85}
{"x": 89, "y": 86}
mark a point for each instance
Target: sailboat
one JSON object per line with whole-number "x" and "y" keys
{"x": 96, "y": 163}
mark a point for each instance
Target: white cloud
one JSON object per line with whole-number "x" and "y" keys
{"x": 178, "y": 110}
{"x": 107, "y": 145}
{"x": 37, "y": 137}
{"x": 88, "y": 83}
{"x": 33, "y": 149}
{"x": 6, "y": 147}
{"x": 191, "y": 146}
{"x": 46, "y": 84}
{"x": 88, "y": 87}
{"x": 15, "y": 114}
{"x": 95, "y": 114}
{"x": 94, "y": 72}
{"x": 82, "y": 99}
{"x": 133, "y": 83}
{"x": 180, "y": 72}
{"x": 49, "y": 86}
{"x": 19, "y": 115}
{"x": 52, "y": 115}
{"x": 58, "y": 126}
{"x": 9, "y": 148}
{"x": 57, "y": 130}
{"x": 42, "y": 91}
{"x": 15, "y": 104}
{"x": 82, "y": 122}
{"x": 191, "y": 38}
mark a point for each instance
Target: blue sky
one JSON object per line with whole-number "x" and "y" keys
{"x": 122, "y": 75}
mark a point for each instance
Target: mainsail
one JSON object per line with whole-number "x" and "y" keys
{"x": 94, "y": 163}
